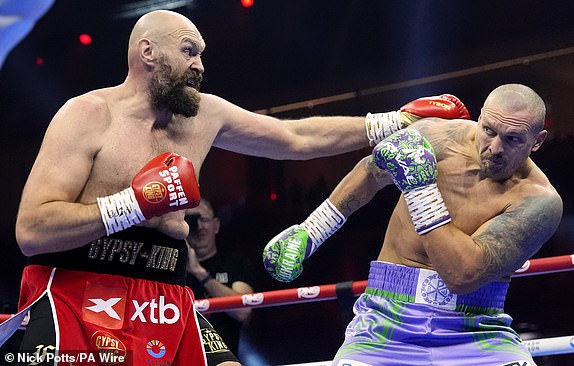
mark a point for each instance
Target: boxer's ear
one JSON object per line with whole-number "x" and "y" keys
{"x": 539, "y": 140}
{"x": 147, "y": 51}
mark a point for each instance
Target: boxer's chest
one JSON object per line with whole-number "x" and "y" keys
{"x": 126, "y": 150}
{"x": 472, "y": 201}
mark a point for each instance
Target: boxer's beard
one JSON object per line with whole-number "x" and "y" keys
{"x": 178, "y": 94}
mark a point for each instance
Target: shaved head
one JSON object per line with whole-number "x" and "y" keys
{"x": 518, "y": 98}
{"x": 162, "y": 27}
{"x": 157, "y": 25}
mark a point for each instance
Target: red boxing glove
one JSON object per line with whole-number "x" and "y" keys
{"x": 166, "y": 183}
{"x": 382, "y": 125}
{"x": 445, "y": 106}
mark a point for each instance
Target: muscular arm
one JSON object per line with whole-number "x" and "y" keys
{"x": 514, "y": 236}
{"x": 50, "y": 218}
{"x": 259, "y": 135}
{"x": 497, "y": 248}
{"x": 359, "y": 186}
{"x": 313, "y": 137}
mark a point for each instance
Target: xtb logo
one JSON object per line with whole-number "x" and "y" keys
{"x": 105, "y": 306}
{"x": 158, "y": 312}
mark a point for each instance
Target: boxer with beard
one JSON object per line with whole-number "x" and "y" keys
{"x": 101, "y": 218}
{"x": 169, "y": 91}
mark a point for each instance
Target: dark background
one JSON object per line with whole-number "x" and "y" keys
{"x": 383, "y": 54}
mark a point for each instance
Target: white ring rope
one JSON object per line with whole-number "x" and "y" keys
{"x": 537, "y": 347}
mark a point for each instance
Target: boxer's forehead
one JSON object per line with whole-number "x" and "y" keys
{"x": 187, "y": 32}
{"x": 168, "y": 27}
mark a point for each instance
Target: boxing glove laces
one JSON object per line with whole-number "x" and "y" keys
{"x": 410, "y": 159}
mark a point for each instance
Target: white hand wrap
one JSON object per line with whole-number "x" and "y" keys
{"x": 120, "y": 211}
{"x": 322, "y": 223}
{"x": 427, "y": 208}
{"x": 382, "y": 125}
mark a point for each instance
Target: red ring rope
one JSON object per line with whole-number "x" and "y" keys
{"x": 328, "y": 292}
{"x": 537, "y": 347}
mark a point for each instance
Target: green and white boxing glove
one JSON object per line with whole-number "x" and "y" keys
{"x": 283, "y": 256}
{"x": 410, "y": 159}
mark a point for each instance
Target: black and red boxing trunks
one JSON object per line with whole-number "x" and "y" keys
{"x": 118, "y": 300}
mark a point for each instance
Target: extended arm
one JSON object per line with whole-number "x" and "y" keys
{"x": 283, "y": 256}
{"x": 253, "y": 134}
{"x": 259, "y": 135}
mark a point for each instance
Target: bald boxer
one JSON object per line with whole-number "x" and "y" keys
{"x": 474, "y": 208}
{"x": 102, "y": 213}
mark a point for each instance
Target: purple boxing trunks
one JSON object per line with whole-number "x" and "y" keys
{"x": 407, "y": 316}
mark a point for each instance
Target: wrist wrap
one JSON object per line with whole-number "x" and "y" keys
{"x": 382, "y": 125}
{"x": 322, "y": 223}
{"x": 427, "y": 208}
{"x": 120, "y": 211}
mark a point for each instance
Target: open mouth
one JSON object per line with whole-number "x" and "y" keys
{"x": 194, "y": 81}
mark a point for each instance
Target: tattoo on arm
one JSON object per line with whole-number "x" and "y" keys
{"x": 350, "y": 204}
{"x": 378, "y": 177}
{"x": 517, "y": 234}
{"x": 359, "y": 186}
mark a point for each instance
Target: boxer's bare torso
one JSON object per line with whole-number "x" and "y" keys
{"x": 475, "y": 202}
{"x": 123, "y": 143}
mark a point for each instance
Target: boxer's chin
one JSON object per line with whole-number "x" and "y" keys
{"x": 494, "y": 170}
{"x": 192, "y": 83}
{"x": 188, "y": 106}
